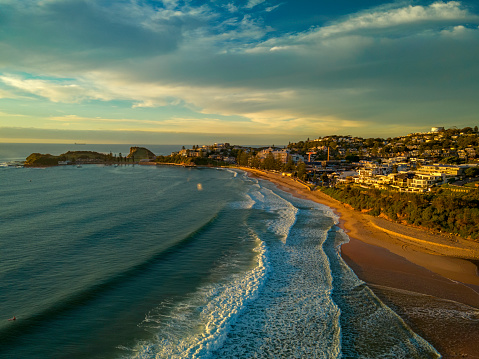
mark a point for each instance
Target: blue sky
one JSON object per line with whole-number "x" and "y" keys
{"x": 246, "y": 72}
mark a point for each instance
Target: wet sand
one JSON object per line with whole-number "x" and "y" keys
{"x": 430, "y": 280}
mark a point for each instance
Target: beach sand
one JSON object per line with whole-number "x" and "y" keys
{"x": 430, "y": 280}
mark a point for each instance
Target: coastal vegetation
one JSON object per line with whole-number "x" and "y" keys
{"x": 441, "y": 210}
{"x": 41, "y": 160}
{"x": 140, "y": 153}
{"x": 251, "y": 159}
{"x": 38, "y": 159}
{"x": 189, "y": 161}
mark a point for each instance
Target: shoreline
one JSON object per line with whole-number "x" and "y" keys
{"x": 430, "y": 280}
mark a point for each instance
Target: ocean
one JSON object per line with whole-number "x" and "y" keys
{"x": 167, "y": 262}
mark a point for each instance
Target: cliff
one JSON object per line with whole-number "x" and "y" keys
{"x": 141, "y": 153}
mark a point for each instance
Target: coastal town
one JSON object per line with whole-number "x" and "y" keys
{"x": 426, "y": 180}
{"x": 416, "y": 163}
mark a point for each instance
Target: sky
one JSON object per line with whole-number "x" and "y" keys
{"x": 238, "y": 71}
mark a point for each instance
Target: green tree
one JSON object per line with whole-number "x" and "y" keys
{"x": 471, "y": 172}
{"x": 269, "y": 163}
{"x": 301, "y": 171}
{"x": 289, "y": 166}
{"x": 243, "y": 158}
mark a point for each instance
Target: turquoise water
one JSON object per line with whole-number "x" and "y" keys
{"x": 166, "y": 262}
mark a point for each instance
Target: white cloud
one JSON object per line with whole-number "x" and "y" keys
{"x": 272, "y": 8}
{"x": 232, "y": 8}
{"x": 252, "y": 3}
{"x": 53, "y": 91}
{"x": 377, "y": 23}
{"x": 437, "y": 11}
{"x": 460, "y": 32}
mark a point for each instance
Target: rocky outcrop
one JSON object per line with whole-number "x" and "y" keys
{"x": 70, "y": 157}
{"x": 141, "y": 153}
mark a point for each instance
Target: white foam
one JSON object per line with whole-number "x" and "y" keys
{"x": 235, "y": 173}
{"x": 195, "y": 330}
{"x": 286, "y": 212}
{"x": 247, "y": 203}
{"x": 294, "y": 315}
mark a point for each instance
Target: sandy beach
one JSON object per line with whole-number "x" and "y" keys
{"x": 431, "y": 280}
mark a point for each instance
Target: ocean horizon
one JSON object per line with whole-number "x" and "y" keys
{"x": 166, "y": 262}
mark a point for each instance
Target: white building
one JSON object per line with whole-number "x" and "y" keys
{"x": 280, "y": 155}
{"x": 426, "y": 180}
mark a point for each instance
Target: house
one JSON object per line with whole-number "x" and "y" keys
{"x": 402, "y": 180}
{"x": 427, "y": 180}
{"x": 448, "y": 170}
{"x": 372, "y": 169}
{"x": 280, "y": 155}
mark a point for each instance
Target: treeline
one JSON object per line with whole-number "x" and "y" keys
{"x": 442, "y": 210}
{"x": 188, "y": 161}
{"x": 249, "y": 159}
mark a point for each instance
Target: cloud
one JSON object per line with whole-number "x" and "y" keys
{"x": 92, "y": 33}
{"x": 436, "y": 12}
{"x": 252, "y": 3}
{"x": 6, "y": 114}
{"x": 404, "y": 21}
{"x": 272, "y": 8}
{"x": 129, "y": 137}
{"x": 6, "y": 94}
{"x": 53, "y": 90}
{"x": 232, "y": 8}
{"x": 98, "y": 120}
{"x": 226, "y": 68}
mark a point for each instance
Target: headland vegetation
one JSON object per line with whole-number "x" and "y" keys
{"x": 88, "y": 157}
